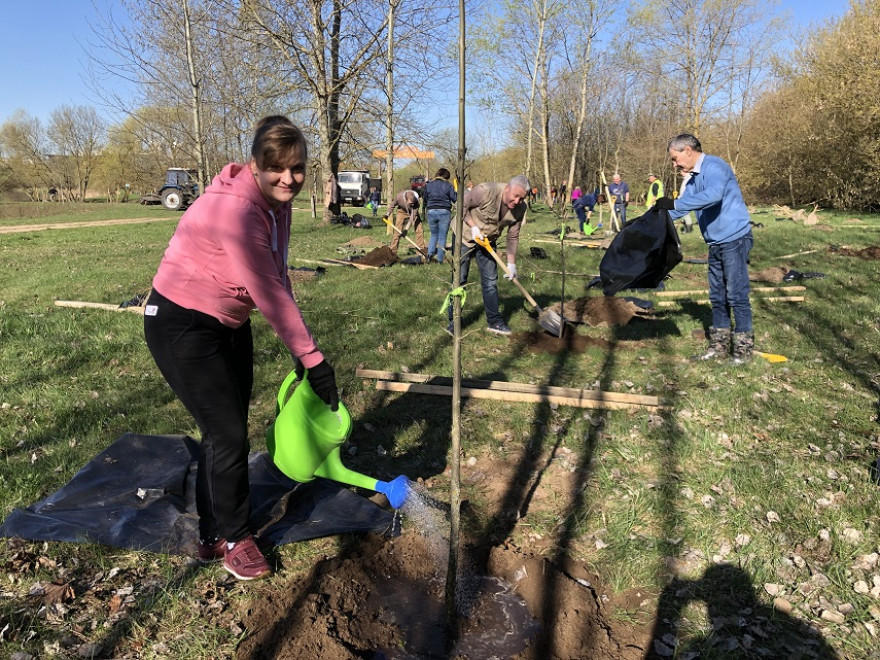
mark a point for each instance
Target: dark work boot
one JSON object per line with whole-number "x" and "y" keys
{"x": 743, "y": 345}
{"x": 719, "y": 345}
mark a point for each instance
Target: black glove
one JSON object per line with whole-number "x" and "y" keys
{"x": 665, "y": 204}
{"x": 323, "y": 382}
{"x": 626, "y": 203}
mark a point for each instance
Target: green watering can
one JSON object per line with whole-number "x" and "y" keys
{"x": 305, "y": 439}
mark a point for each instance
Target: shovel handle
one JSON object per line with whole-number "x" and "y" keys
{"x": 388, "y": 222}
{"x": 488, "y": 246}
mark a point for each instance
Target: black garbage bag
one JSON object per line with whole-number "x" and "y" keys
{"x": 642, "y": 254}
{"x": 537, "y": 253}
{"x": 797, "y": 276}
{"x": 137, "y": 301}
{"x": 139, "y": 493}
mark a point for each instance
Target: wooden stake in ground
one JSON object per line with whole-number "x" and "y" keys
{"x": 615, "y": 223}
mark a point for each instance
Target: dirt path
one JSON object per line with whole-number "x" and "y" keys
{"x": 77, "y": 225}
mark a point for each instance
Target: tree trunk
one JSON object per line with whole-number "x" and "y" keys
{"x": 545, "y": 128}
{"x": 195, "y": 89}
{"x": 329, "y": 124}
{"x": 389, "y": 118}
{"x": 582, "y": 111}
{"x": 541, "y": 12}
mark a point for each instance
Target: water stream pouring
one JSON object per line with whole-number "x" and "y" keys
{"x": 305, "y": 439}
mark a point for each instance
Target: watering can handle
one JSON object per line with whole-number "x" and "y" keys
{"x": 285, "y": 386}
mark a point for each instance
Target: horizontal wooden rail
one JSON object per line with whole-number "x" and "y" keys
{"x": 538, "y": 392}
{"x": 754, "y": 289}
{"x": 506, "y": 395}
{"x": 574, "y": 243}
{"x": 763, "y": 299}
{"x": 93, "y": 305}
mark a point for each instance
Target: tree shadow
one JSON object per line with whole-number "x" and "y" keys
{"x": 740, "y": 626}
{"x": 385, "y": 413}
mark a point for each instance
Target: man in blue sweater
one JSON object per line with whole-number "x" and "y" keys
{"x": 713, "y": 193}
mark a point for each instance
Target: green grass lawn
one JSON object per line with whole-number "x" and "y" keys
{"x": 27, "y": 213}
{"x": 764, "y": 466}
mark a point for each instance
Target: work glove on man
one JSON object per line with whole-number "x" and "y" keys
{"x": 665, "y": 204}
{"x": 511, "y": 271}
{"x": 476, "y": 234}
{"x": 323, "y": 382}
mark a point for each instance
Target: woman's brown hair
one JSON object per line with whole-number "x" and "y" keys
{"x": 277, "y": 142}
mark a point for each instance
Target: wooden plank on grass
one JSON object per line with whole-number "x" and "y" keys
{"x": 79, "y": 304}
{"x": 340, "y": 262}
{"x": 505, "y": 386}
{"x": 317, "y": 261}
{"x": 505, "y": 395}
{"x": 588, "y": 244}
{"x": 754, "y": 289}
{"x": 796, "y": 254}
{"x": 763, "y": 299}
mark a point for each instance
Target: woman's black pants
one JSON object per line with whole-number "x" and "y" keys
{"x": 209, "y": 366}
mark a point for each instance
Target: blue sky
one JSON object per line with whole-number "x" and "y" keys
{"x": 44, "y": 65}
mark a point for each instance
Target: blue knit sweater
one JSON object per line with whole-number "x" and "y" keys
{"x": 713, "y": 193}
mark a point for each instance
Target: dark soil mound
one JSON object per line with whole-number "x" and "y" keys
{"x": 303, "y": 274}
{"x": 773, "y": 274}
{"x": 544, "y": 342}
{"x": 382, "y": 256}
{"x": 871, "y": 252}
{"x": 599, "y": 311}
{"x": 337, "y": 612}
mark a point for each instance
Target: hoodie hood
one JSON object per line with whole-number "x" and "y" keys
{"x": 238, "y": 180}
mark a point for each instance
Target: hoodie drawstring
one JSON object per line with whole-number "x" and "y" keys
{"x": 274, "y": 231}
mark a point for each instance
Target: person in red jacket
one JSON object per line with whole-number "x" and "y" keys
{"x": 227, "y": 257}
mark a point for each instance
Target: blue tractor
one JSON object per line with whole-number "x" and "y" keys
{"x": 180, "y": 188}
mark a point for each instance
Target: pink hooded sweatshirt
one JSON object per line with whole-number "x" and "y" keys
{"x": 228, "y": 256}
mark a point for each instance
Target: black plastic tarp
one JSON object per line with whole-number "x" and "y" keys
{"x": 641, "y": 255}
{"x": 139, "y": 493}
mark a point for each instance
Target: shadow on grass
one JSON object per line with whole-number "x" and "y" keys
{"x": 741, "y": 626}
{"x": 516, "y": 500}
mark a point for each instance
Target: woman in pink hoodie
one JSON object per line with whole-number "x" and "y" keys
{"x": 227, "y": 257}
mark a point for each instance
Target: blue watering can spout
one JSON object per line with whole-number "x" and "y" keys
{"x": 395, "y": 490}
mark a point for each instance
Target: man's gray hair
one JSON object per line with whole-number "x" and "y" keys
{"x": 521, "y": 181}
{"x": 680, "y": 142}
